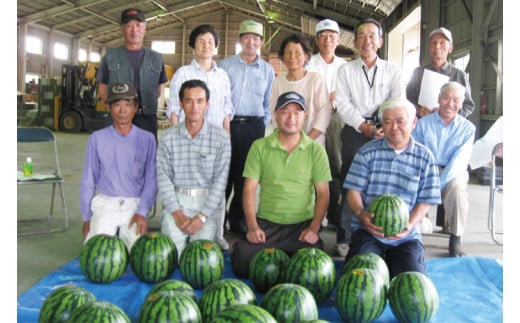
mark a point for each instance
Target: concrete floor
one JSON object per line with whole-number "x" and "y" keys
{"x": 39, "y": 255}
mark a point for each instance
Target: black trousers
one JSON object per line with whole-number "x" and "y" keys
{"x": 243, "y": 134}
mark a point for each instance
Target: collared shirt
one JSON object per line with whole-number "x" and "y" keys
{"x": 413, "y": 88}
{"x": 119, "y": 166}
{"x": 329, "y": 71}
{"x": 412, "y": 174}
{"x": 250, "y": 86}
{"x": 359, "y": 93}
{"x": 220, "y": 105}
{"x": 451, "y": 144}
{"x": 287, "y": 180}
{"x": 191, "y": 163}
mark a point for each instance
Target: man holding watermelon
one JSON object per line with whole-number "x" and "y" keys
{"x": 395, "y": 164}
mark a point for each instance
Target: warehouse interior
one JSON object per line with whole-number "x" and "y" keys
{"x": 80, "y": 31}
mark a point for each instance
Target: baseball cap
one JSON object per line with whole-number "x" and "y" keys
{"x": 121, "y": 91}
{"x": 130, "y": 14}
{"x": 250, "y": 26}
{"x": 290, "y": 97}
{"x": 327, "y": 24}
{"x": 445, "y": 32}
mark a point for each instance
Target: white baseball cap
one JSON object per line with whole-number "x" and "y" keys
{"x": 443, "y": 31}
{"x": 327, "y": 24}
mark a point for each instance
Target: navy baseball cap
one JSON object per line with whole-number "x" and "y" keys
{"x": 132, "y": 13}
{"x": 290, "y": 97}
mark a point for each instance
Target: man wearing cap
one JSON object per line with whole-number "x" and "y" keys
{"x": 119, "y": 185}
{"x": 440, "y": 46}
{"x": 327, "y": 63}
{"x": 251, "y": 82}
{"x": 292, "y": 172}
{"x": 132, "y": 63}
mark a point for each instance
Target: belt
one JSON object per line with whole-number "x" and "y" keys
{"x": 193, "y": 192}
{"x": 245, "y": 119}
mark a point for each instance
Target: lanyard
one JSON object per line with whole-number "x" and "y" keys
{"x": 371, "y": 84}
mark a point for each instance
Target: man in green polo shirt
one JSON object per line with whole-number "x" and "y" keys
{"x": 292, "y": 172}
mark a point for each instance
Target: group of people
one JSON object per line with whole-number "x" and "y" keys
{"x": 345, "y": 132}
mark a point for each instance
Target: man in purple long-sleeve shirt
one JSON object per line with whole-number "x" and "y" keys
{"x": 119, "y": 183}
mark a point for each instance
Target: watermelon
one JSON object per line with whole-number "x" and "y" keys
{"x": 223, "y": 293}
{"x": 153, "y": 257}
{"x": 361, "y": 295}
{"x": 58, "y": 305}
{"x": 390, "y": 213}
{"x": 103, "y": 258}
{"x": 267, "y": 268}
{"x": 169, "y": 306}
{"x": 174, "y": 285}
{"x": 243, "y": 313}
{"x": 313, "y": 269}
{"x": 368, "y": 260}
{"x": 290, "y": 303}
{"x": 413, "y": 297}
{"x": 201, "y": 263}
{"x": 98, "y": 312}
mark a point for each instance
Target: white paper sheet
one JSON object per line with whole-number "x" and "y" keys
{"x": 483, "y": 148}
{"x": 431, "y": 84}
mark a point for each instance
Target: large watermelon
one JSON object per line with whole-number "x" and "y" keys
{"x": 169, "y": 306}
{"x": 174, "y": 285}
{"x": 243, "y": 313}
{"x": 361, "y": 295}
{"x": 290, "y": 303}
{"x": 390, "y": 212}
{"x": 267, "y": 268}
{"x": 62, "y": 301}
{"x": 201, "y": 263}
{"x": 98, "y": 312}
{"x": 223, "y": 293}
{"x": 103, "y": 258}
{"x": 413, "y": 297}
{"x": 153, "y": 257}
{"x": 368, "y": 260}
{"x": 313, "y": 269}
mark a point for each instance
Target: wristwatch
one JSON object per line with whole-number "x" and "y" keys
{"x": 202, "y": 217}
{"x": 373, "y": 131}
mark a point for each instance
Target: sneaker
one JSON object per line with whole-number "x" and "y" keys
{"x": 223, "y": 244}
{"x": 341, "y": 249}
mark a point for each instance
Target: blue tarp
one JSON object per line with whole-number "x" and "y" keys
{"x": 470, "y": 290}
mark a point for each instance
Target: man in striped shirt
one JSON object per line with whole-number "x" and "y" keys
{"x": 399, "y": 165}
{"x": 192, "y": 170}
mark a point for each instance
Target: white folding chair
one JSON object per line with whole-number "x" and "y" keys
{"x": 40, "y": 142}
{"x": 498, "y": 152}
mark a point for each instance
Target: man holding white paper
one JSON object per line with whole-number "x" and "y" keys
{"x": 424, "y": 85}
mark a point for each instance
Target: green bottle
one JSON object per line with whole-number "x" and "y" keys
{"x": 28, "y": 167}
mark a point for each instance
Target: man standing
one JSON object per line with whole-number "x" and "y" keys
{"x": 133, "y": 63}
{"x": 450, "y": 137}
{"x": 394, "y": 164}
{"x": 441, "y": 45}
{"x": 246, "y": 71}
{"x": 119, "y": 184}
{"x": 362, "y": 85}
{"x": 192, "y": 170}
{"x": 327, "y": 63}
{"x": 292, "y": 172}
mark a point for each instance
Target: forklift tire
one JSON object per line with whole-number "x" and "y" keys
{"x": 70, "y": 121}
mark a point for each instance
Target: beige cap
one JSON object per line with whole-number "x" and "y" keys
{"x": 327, "y": 24}
{"x": 250, "y": 26}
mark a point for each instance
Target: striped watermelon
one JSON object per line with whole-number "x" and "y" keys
{"x": 98, "y": 312}
{"x": 103, "y": 258}
{"x": 201, "y": 263}
{"x": 368, "y": 260}
{"x": 62, "y": 301}
{"x": 223, "y": 293}
{"x": 153, "y": 257}
{"x": 361, "y": 295}
{"x": 313, "y": 269}
{"x": 390, "y": 213}
{"x": 413, "y": 297}
{"x": 169, "y": 306}
{"x": 243, "y": 313}
{"x": 290, "y": 303}
{"x": 267, "y": 267}
{"x": 174, "y": 285}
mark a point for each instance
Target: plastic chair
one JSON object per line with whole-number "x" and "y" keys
{"x": 42, "y": 137}
{"x": 498, "y": 152}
